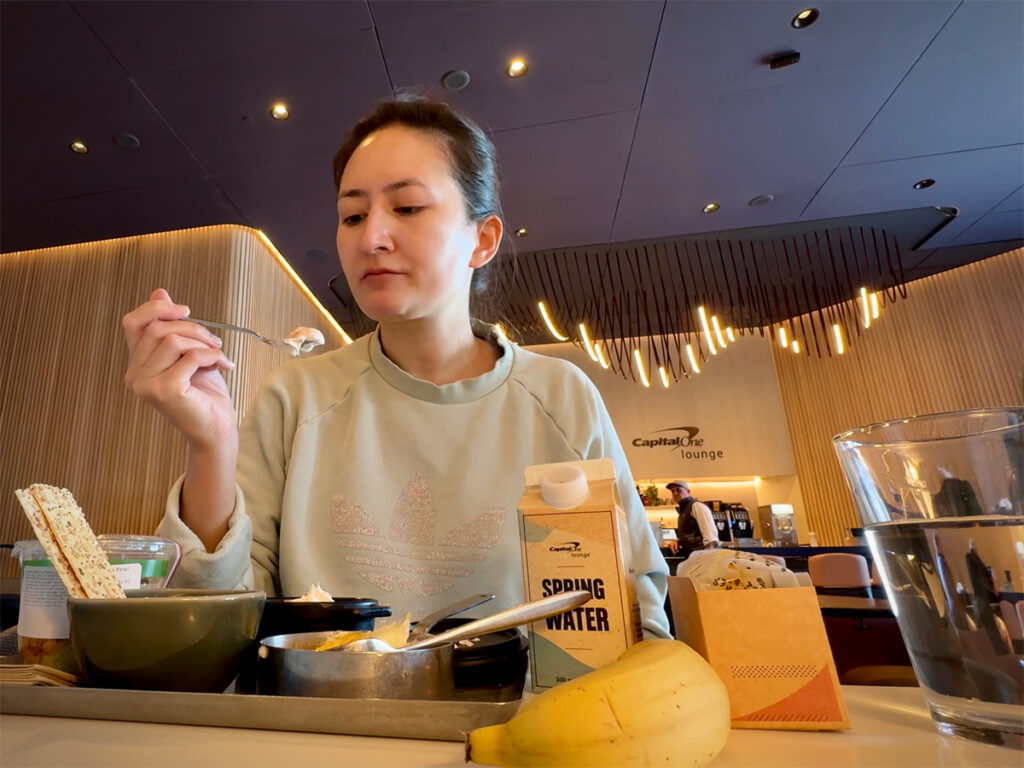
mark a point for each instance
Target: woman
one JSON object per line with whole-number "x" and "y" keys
{"x": 391, "y": 468}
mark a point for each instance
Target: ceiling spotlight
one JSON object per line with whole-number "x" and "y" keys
{"x": 522, "y": 232}
{"x": 280, "y": 112}
{"x": 127, "y": 140}
{"x": 711, "y": 207}
{"x": 78, "y": 147}
{"x": 805, "y": 18}
{"x": 760, "y": 200}
{"x": 517, "y": 68}
{"x": 455, "y": 80}
{"x": 924, "y": 183}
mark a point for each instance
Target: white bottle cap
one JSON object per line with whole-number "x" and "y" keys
{"x": 564, "y": 487}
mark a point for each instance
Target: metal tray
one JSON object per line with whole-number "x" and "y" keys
{"x": 439, "y": 720}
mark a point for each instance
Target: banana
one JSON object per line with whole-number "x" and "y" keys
{"x": 660, "y": 703}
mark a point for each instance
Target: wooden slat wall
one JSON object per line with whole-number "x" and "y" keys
{"x": 956, "y": 341}
{"x": 65, "y": 416}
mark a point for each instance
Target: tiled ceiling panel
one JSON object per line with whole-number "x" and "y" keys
{"x": 160, "y": 36}
{"x": 585, "y": 58}
{"x": 976, "y": 180}
{"x": 964, "y": 93}
{"x": 222, "y": 109}
{"x": 581, "y": 162}
{"x": 686, "y": 155}
{"x": 719, "y": 125}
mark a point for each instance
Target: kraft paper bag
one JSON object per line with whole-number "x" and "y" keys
{"x": 770, "y": 648}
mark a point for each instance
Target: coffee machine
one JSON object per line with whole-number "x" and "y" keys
{"x": 720, "y": 514}
{"x": 778, "y": 524}
{"x": 741, "y": 526}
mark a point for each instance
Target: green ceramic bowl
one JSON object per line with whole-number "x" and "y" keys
{"x": 165, "y": 639}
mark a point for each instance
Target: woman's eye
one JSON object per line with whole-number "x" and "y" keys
{"x": 352, "y": 219}
{"x": 408, "y": 210}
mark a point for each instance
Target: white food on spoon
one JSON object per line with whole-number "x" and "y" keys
{"x": 304, "y": 339}
{"x": 316, "y": 594}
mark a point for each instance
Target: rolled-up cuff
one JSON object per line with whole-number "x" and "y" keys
{"x": 228, "y": 566}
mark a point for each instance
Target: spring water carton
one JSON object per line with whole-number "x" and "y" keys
{"x": 574, "y": 536}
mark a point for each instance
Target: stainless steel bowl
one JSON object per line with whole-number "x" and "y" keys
{"x": 289, "y": 666}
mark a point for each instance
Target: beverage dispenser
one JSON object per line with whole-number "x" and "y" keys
{"x": 741, "y": 525}
{"x": 778, "y": 525}
{"x": 720, "y": 514}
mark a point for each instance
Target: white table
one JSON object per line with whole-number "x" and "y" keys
{"x": 891, "y": 729}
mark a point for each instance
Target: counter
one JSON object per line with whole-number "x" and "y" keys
{"x": 891, "y": 727}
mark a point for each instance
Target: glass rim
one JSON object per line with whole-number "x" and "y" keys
{"x": 867, "y": 429}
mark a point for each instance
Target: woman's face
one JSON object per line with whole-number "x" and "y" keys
{"x": 406, "y": 245}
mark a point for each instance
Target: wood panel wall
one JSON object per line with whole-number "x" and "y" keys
{"x": 956, "y": 341}
{"x": 65, "y": 416}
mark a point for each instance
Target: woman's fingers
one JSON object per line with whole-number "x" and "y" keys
{"x": 176, "y": 381}
{"x": 163, "y": 340}
{"x": 163, "y": 344}
{"x": 159, "y": 307}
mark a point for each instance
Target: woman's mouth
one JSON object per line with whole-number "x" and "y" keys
{"x": 378, "y": 276}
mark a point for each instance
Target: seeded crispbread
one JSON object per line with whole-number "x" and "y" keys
{"x": 76, "y": 541}
{"x": 42, "y": 530}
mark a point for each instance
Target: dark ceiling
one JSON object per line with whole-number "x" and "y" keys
{"x": 633, "y": 116}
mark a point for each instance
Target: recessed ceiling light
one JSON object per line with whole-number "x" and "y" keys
{"x": 280, "y": 112}
{"x": 78, "y": 147}
{"x": 924, "y": 183}
{"x": 760, "y": 200}
{"x": 711, "y": 207}
{"x": 522, "y": 232}
{"x": 455, "y": 80}
{"x": 805, "y": 18}
{"x": 517, "y": 68}
{"x": 127, "y": 140}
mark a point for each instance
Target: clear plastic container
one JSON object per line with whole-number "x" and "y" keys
{"x": 140, "y": 562}
{"x": 156, "y": 559}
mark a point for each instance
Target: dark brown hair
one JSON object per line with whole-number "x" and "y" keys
{"x": 471, "y": 155}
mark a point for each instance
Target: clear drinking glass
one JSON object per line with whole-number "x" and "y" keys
{"x": 942, "y": 501}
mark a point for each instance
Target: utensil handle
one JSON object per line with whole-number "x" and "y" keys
{"x": 521, "y": 614}
{"x": 225, "y": 327}
{"x": 424, "y": 625}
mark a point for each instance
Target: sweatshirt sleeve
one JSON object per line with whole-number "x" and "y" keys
{"x": 227, "y": 567}
{"x": 648, "y": 563}
{"x": 247, "y": 556}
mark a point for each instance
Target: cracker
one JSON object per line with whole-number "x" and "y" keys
{"x": 42, "y": 531}
{"x": 76, "y": 540}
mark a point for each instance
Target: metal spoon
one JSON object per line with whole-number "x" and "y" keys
{"x": 521, "y": 614}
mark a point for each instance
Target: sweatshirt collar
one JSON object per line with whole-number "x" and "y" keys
{"x": 463, "y": 391}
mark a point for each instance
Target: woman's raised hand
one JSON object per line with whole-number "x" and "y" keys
{"x": 175, "y": 366}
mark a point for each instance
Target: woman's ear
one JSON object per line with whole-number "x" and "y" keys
{"x": 488, "y": 238}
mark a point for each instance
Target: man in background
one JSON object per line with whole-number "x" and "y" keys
{"x": 696, "y": 528}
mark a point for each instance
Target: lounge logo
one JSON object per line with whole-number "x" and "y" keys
{"x": 565, "y": 546}
{"x": 681, "y": 439}
{"x": 574, "y": 548}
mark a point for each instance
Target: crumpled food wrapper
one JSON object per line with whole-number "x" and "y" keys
{"x": 725, "y": 569}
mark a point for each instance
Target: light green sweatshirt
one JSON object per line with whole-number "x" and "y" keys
{"x": 355, "y": 475}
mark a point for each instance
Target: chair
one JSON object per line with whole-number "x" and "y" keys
{"x": 840, "y": 571}
{"x": 776, "y": 559}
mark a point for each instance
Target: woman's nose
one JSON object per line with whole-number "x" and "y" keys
{"x": 376, "y": 233}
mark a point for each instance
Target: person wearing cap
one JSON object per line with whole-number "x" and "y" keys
{"x": 696, "y": 528}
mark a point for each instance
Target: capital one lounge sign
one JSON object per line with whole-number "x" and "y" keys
{"x": 725, "y": 422}
{"x": 681, "y": 440}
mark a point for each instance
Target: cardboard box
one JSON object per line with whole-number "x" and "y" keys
{"x": 583, "y": 547}
{"x": 770, "y": 648}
